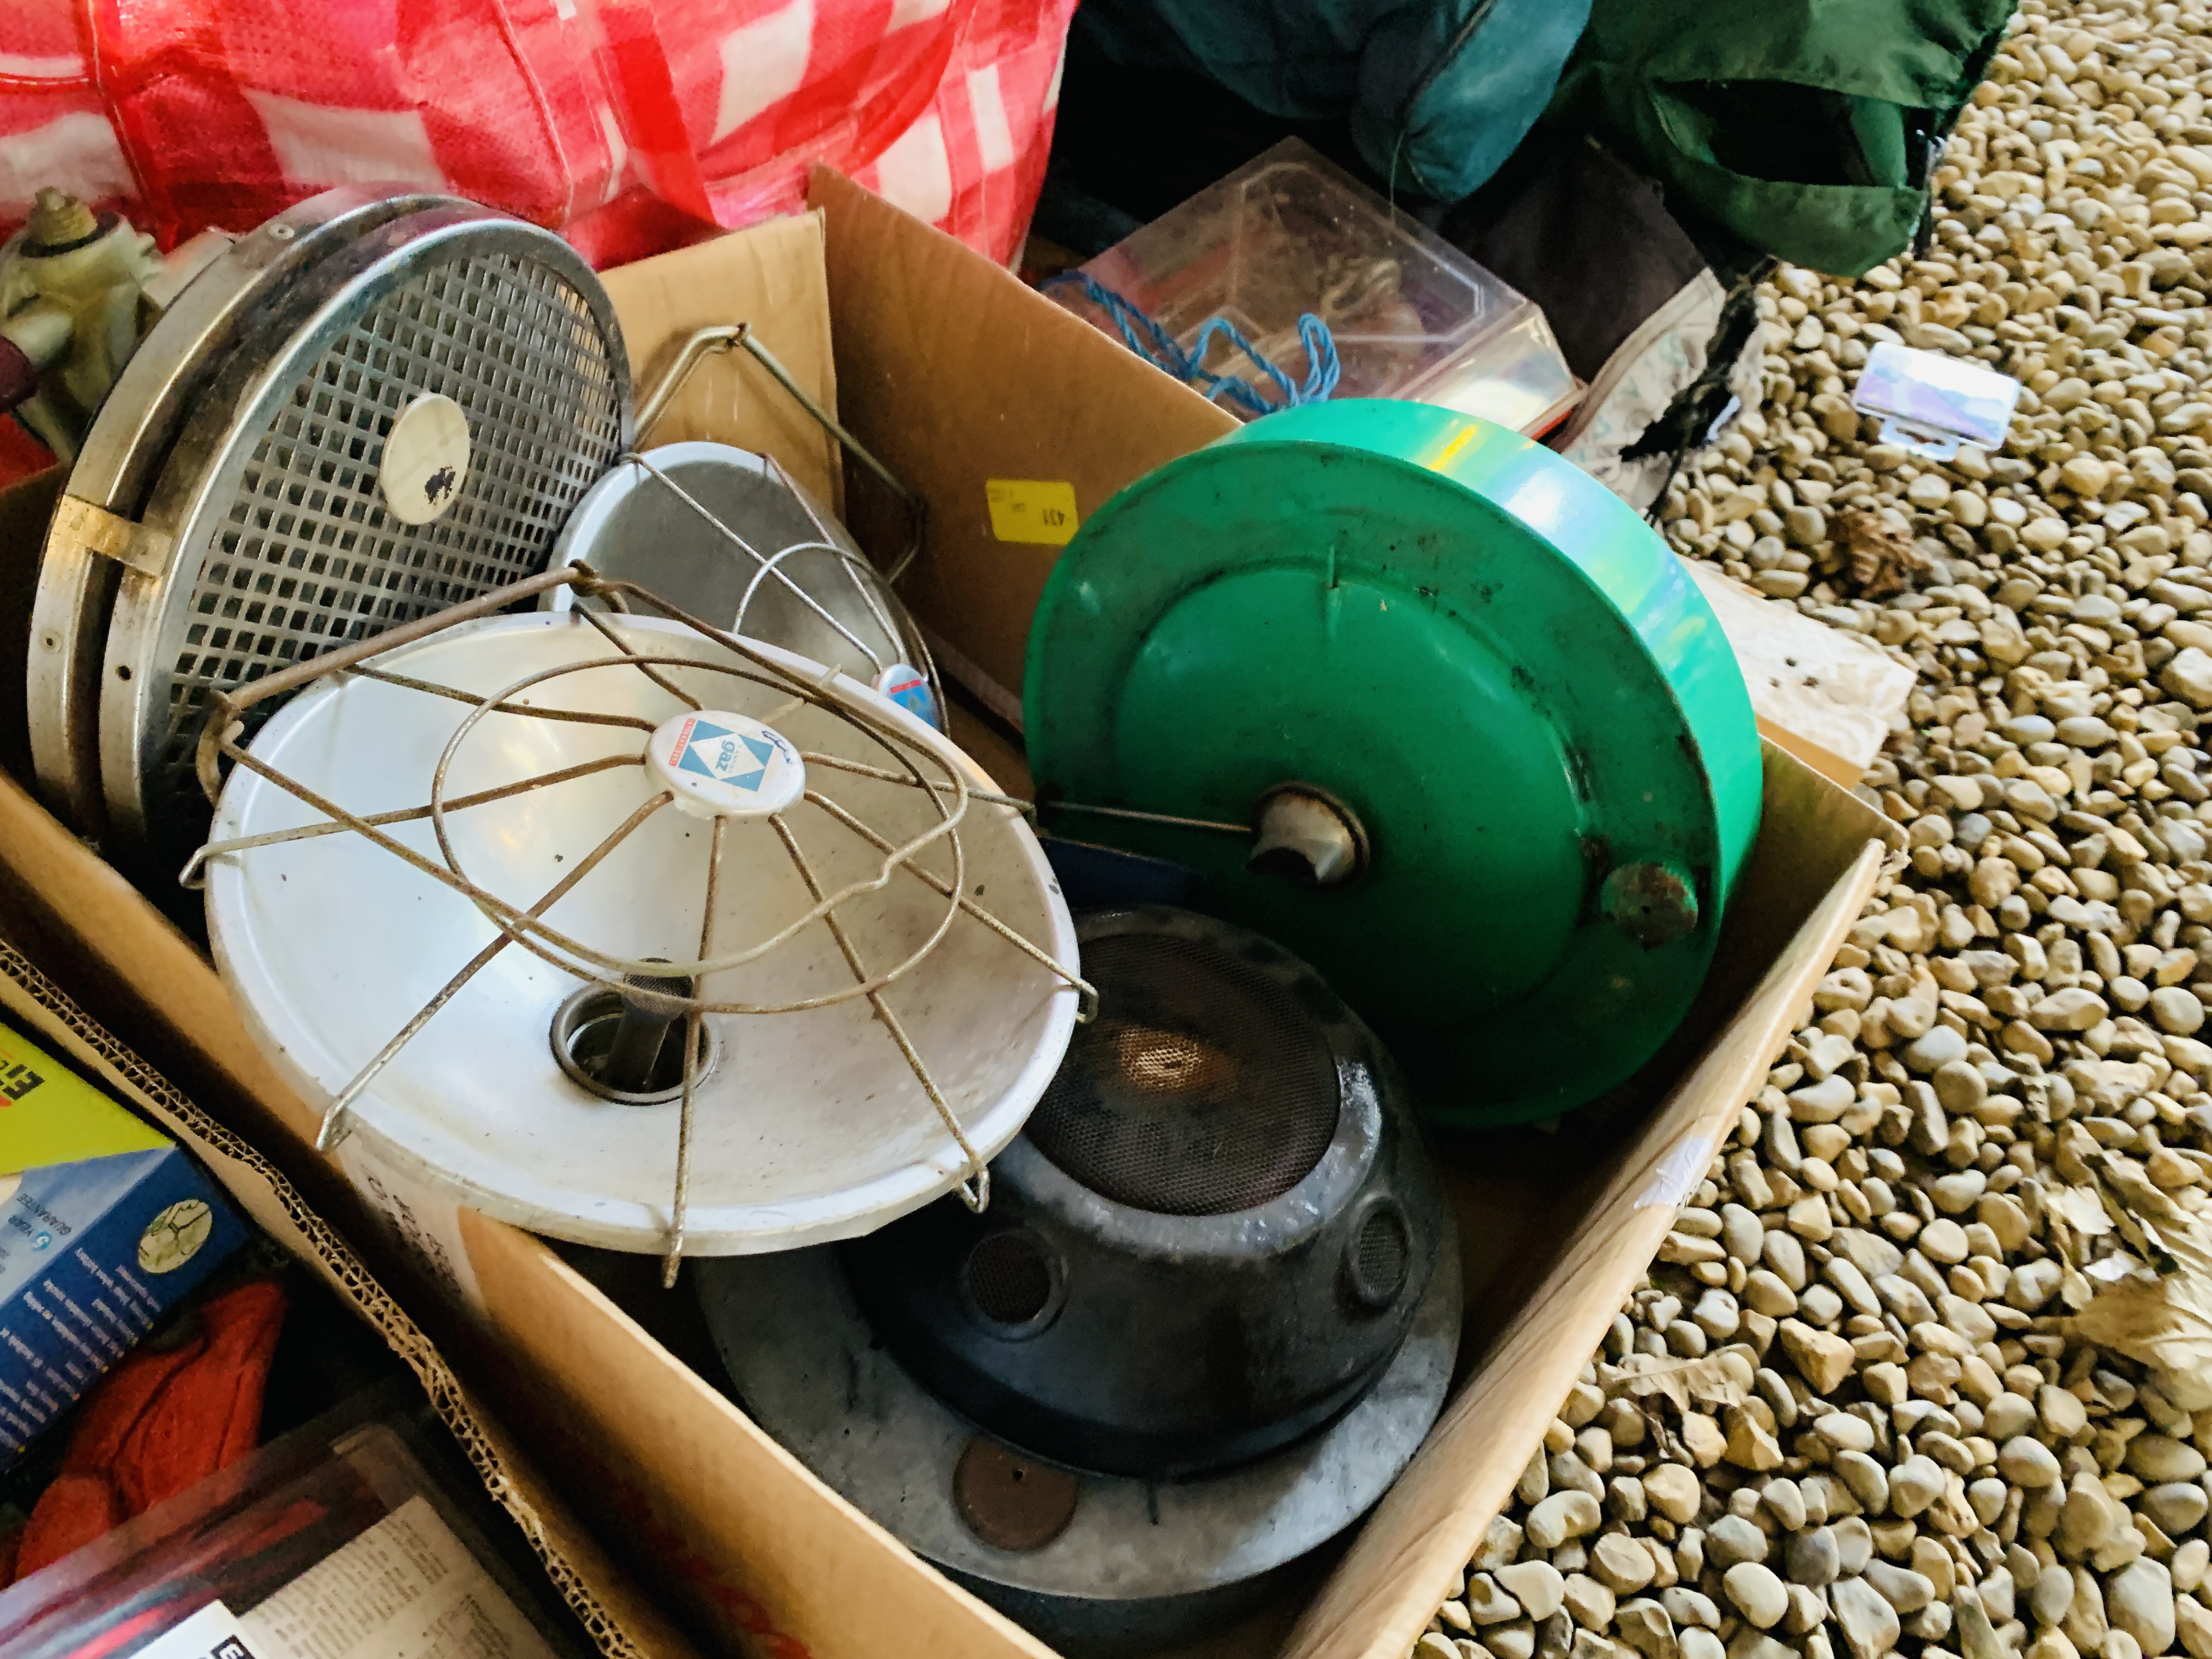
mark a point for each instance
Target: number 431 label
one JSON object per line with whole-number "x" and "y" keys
{"x": 1031, "y": 510}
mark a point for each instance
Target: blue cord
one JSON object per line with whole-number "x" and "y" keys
{"x": 1145, "y": 336}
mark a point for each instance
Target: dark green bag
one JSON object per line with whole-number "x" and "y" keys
{"x": 1436, "y": 93}
{"x": 1809, "y": 128}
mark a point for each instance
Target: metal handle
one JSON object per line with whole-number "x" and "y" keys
{"x": 710, "y": 342}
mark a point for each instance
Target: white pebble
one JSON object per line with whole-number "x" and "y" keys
{"x": 1761, "y": 1596}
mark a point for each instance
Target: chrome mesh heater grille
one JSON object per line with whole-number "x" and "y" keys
{"x": 302, "y": 554}
{"x": 309, "y": 556}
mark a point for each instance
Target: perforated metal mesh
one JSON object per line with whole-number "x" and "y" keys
{"x": 1201, "y": 1088}
{"x": 1007, "y": 1277}
{"x": 308, "y": 557}
{"x": 1382, "y": 1254}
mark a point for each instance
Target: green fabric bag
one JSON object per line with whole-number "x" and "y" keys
{"x": 1807, "y": 128}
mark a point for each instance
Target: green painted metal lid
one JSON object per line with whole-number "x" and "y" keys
{"x": 1490, "y": 658}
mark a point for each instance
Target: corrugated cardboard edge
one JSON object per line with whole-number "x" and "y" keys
{"x": 621, "y": 1622}
{"x": 1409, "y": 1556}
{"x": 55, "y": 881}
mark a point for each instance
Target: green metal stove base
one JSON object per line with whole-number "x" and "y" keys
{"x": 1500, "y": 668}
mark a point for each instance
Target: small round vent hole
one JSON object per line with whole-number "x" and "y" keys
{"x": 1007, "y": 1278}
{"x": 1380, "y": 1256}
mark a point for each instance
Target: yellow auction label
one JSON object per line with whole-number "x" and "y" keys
{"x": 1031, "y": 510}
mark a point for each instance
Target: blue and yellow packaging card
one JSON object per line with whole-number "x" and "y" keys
{"x": 105, "y": 1225}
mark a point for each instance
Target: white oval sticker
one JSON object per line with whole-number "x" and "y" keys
{"x": 426, "y": 459}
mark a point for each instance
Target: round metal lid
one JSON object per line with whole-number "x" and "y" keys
{"x": 812, "y": 1124}
{"x": 1538, "y": 737}
{"x": 284, "y": 541}
{"x": 807, "y": 1365}
{"x": 123, "y": 454}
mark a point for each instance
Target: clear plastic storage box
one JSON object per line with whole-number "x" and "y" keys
{"x": 1289, "y": 234}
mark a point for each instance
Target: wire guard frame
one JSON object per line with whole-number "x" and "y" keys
{"x": 942, "y": 784}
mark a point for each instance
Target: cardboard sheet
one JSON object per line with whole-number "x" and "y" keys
{"x": 957, "y": 376}
{"x": 1828, "y": 697}
{"x": 770, "y": 277}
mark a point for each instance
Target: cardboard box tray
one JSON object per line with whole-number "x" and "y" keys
{"x": 956, "y": 375}
{"x": 623, "y": 1621}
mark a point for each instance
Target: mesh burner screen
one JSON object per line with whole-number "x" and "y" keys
{"x": 285, "y": 546}
{"x": 1007, "y": 1278}
{"x": 1201, "y": 1088}
{"x": 1382, "y": 1255}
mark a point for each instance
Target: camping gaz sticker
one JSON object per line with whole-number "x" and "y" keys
{"x": 908, "y": 687}
{"x": 723, "y": 765}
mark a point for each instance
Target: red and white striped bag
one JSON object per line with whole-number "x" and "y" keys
{"x": 629, "y": 126}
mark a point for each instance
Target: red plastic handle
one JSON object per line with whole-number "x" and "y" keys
{"x": 19, "y": 375}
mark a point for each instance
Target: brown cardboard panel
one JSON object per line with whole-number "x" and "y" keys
{"x": 954, "y": 372}
{"x": 93, "y": 923}
{"x": 772, "y": 278}
{"x": 1828, "y": 763}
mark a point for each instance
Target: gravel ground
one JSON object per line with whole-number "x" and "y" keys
{"x": 1922, "y": 1368}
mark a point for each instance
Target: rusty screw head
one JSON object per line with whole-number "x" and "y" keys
{"x": 1654, "y": 903}
{"x": 1011, "y": 1502}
